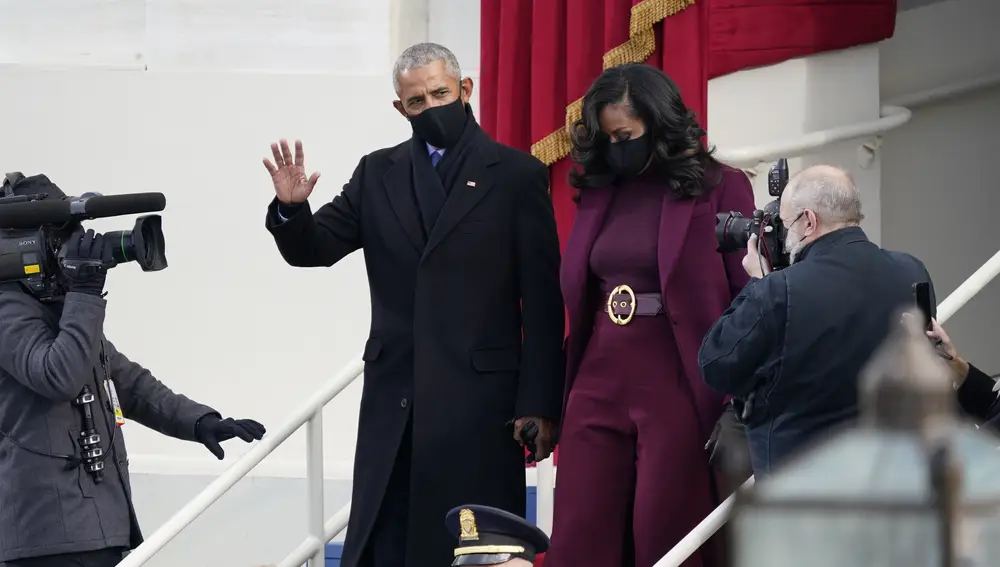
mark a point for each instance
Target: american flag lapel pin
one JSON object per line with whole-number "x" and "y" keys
{"x": 470, "y": 183}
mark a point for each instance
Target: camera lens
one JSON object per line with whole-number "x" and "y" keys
{"x": 144, "y": 244}
{"x": 732, "y": 231}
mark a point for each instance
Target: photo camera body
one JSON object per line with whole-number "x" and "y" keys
{"x": 36, "y": 220}
{"x": 733, "y": 230}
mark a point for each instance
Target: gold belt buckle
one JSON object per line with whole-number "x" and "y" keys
{"x": 613, "y": 303}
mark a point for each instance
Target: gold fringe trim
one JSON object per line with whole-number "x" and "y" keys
{"x": 640, "y": 45}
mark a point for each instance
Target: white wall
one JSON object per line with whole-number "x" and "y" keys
{"x": 940, "y": 193}
{"x": 228, "y": 323}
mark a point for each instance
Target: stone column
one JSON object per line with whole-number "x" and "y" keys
{"x": 801, "y": 96}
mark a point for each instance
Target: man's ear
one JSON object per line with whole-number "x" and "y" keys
{"x": 811, "y": 220}
{"x": 466, "y": 87}
{"x": 398, "y": 105}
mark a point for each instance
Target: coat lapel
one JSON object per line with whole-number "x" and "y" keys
{"x": 594, "y": 205}
{"x": 473, "y": 183}
{"x": 399, "y": 187}
{"x": 675, "y": 218}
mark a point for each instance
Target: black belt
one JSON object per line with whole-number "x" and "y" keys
{"x": 622, "y": 304}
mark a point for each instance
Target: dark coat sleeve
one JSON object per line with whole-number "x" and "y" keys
{"x": 976, "y": 396}
{"x": 307, "y": 240}
{"x": 736, "y": 195}
{"x": 53, "y": 364}
{"x": 741, "y": 343}
{"x": 149, "y": 402}
{"x": 542, "y": 371}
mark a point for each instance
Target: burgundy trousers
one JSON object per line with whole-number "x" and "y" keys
{"x": 633, "y": 474}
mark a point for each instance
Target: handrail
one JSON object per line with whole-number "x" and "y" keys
{"x": 307, "y": 548}
{"x": 949, "y": 91}
{"x": 969, "y": 288}
{"x": 307, "y": 412}
{"x": 320, "y": 532}
{"x": 718, "y": 517}
{"x": 891, "y": 117}
{"x": 893, "y": 114}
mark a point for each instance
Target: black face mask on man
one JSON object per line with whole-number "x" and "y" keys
{"x": 440, "y": 126}
{"x": 628, "y": 158}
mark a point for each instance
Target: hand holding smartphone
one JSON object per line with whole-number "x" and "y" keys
{"x": 922, "y": 297}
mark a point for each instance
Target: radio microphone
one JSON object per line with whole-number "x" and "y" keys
{"x": 34, "y": 214}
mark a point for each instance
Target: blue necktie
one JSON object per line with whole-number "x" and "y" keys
{"x": 435, "y": 158}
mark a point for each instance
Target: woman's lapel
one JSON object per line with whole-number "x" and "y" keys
{"x": 593, "y": 207}
{"x": 675, "y": 218}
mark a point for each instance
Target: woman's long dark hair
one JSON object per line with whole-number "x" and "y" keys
{"x": 679, "y": 154}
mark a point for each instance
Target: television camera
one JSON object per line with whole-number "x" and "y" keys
{"x": 36, "y": 220}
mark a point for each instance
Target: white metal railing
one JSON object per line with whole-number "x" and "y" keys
{"x": 893, "y": 114}
{"x": 749, "y": 156}
{"x": 311, "y": 414}
{"x": 718, "y": 517}
{"x": 321, "y": 530}
{"x": 949, "y": 91}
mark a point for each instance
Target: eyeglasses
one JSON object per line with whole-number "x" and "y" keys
{"x": 789, "y": 224}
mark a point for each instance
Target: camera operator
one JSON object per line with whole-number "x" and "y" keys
{"x": 791, "y": 345}
{"x": 65, "y": 393}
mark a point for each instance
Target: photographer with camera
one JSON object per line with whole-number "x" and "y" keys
{"x": 66, "y": 391}
{"x": 791, "y": 345}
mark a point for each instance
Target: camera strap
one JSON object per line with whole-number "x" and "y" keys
{"x": 109, "y": 388}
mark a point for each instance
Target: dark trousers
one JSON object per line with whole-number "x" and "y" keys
{"x": 100, "y": 558}
{"x": 634, "y": 476}
{"x": 387, "y": 543}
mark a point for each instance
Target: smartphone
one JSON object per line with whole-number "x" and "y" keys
{"x": 922, "y": 297}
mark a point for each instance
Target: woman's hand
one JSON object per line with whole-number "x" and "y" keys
{"x": 943, "y": 343}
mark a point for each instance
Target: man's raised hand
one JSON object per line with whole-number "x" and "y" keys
{"x": 291, "y": 185}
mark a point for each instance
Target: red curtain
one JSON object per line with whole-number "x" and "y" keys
{"x": 753, "y": 33}
{"x": 539, "y": 56}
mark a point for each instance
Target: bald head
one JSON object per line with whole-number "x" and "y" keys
{"x": 827, "y": 191}
{"x": 817, "y": 201}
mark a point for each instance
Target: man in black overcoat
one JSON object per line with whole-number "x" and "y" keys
{"x": 465, "y": 347}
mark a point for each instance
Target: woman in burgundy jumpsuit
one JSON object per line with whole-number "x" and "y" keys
{"x": 643, "y": 282}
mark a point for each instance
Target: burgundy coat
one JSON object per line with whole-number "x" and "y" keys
{"x": 697, "y": 282}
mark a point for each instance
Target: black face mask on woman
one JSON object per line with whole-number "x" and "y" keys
{"x": 628, "y": 158}
{"x": 440, "y": 126}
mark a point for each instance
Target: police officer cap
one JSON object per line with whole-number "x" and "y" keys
{"x": 490, "y": 536}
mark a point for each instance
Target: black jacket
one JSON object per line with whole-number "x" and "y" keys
{"x": 794, "y": 342}
{"x": 977, "y": 398}
{"x": 445, "y": 349}
{"x": 47, "y": 354}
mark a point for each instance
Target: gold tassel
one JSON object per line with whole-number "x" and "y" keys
{"x": 640, "y": 45}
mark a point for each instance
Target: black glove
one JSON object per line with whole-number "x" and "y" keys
{"x": 528, "y": 434}
{"x": 729, "y": 450}
{"x": 212, "y": 430}
{"x": 85, "y": 262}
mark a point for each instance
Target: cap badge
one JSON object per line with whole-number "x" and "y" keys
{"x": 467, "y": 525}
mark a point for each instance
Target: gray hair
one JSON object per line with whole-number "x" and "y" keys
{"x": 829, "y": 192}
{"x": 423, "y": 54}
